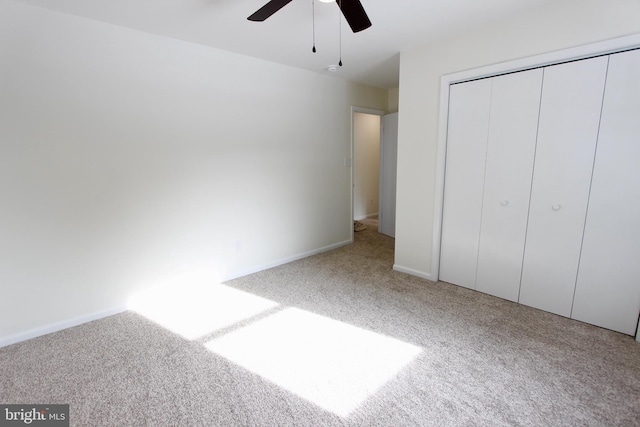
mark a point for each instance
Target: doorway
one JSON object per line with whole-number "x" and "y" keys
{"x": 366, "y": 165}
{"x": 374, "y": 157}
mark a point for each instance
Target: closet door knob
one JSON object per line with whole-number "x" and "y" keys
{"x": 504, "y": 202}
{"x": 556, "y": 207}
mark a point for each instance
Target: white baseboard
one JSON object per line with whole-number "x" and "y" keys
{"x": 361, "y": 217}
{"x": 287, "y": 260}
{"x": 412, "y": 272}
{"x": 58, "y": 326}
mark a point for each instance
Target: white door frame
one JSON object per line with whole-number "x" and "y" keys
{"x": 356, "y": 109}
{"x": 576, "y": 53}
{"x": 385, "y": 140}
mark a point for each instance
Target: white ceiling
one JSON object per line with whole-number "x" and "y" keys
{"x": 370, "y": 57}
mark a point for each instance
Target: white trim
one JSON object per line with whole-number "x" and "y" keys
{"x": 373, "y": 215}
{"x": 287, "y": 260}
{"x": 58, "y": 326}
{"x": 571, "y": 54}
{"x": 356, "y": 109}
{"x": 65, "y": 324}
{"x": 380, "y": 172}
{"x": 383, "y": 171}
{"x": 576, "y": 53}
{"x": 413, "y": 272}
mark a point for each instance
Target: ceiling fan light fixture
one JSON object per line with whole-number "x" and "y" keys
{"x": 332, "y": 68}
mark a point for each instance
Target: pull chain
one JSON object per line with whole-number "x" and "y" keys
{"x": 340, "y": 26}
{"x": 313, "y": 13}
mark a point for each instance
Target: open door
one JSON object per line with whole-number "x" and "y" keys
{"x": 388, "y": 170}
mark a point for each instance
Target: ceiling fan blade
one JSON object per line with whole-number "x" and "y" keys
{"x": 268, "y": 9}
{"x": 354, "y": 14}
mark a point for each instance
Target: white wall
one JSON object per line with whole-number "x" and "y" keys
{"x": 556, "y": 26}
{"x": 366, "y": 165}
{"x": 128, "y": 158}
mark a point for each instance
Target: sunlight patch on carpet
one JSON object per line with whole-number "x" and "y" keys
{"x": 194, "y": 310}
{"x": 333, "y": 364}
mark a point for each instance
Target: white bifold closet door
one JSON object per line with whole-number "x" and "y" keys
{"x": 490, "y": 150}
{"x": 469, "y": 106}
{"x": 568, "y": 129}
{"x": 513, "y": 124}
{"x": 608, "y": 287}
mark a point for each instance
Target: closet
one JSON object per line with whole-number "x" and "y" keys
{"x": 567, "y": 134}
{"x": 542, "y": 189}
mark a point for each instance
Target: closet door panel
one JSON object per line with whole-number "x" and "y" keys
{"x": 567, "y": 133}
{"x": 464, "y": 176}
{"x": 608, "y": 286}
{"x": 515, "y": 102}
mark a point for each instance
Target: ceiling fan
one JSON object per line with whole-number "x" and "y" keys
{"x": 351, "y": 9}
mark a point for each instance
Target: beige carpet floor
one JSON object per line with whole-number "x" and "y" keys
{"x": 336, "y": 339}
